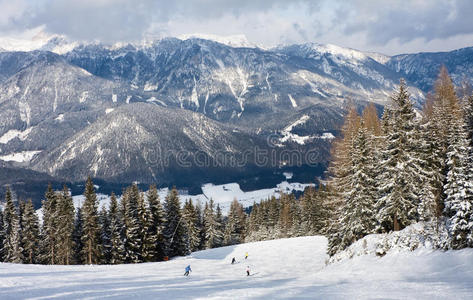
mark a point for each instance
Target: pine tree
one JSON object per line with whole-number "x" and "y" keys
{"x": 65, "y": 223}
{"x": 91, "y": 230}
{"x": 11, "y": 228}
{"x": 176, "y": 239}
{"x": 117, "y": 248}
{"x": 30, "y": 234}
{"x": 157, "y": 221}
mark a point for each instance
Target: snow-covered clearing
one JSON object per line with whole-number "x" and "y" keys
{"x": 281, "y": 269}
{"x": 224, "y": 194}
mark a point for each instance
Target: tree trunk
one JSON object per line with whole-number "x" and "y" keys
{"x": 396, "y": 223}
{"x": 90, "y": 252}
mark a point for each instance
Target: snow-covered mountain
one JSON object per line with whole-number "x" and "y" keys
{"x": 421, "y": 69}
{"x": 150, "y": 143}
{"x": 71, "y": 112}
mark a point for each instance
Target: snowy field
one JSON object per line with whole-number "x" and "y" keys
{"x": 281, "y": 269}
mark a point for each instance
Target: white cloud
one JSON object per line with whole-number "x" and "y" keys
{"x": 386, "y": 26}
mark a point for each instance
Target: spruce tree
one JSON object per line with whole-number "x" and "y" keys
{"x": 133, "y": 242}
{"x": 284, "y": 215}
{"x": 458, "y": 167}
{"x": 117, "y": 248}
{"x": 157, "y": 221}
{"x": 176, "y": 239}
{"x": 220, "y": 226}
{"x": 50, "y": 227}
{"x": 11, "y": 229}
{"x": 341, "y": 170}
{"x": 105, "y": 235}
{"x": 148, "y": 235}
{"x": 30, "y": 234}
{"x": 91, "y": 230}
{"x": 200, "y": 225}
{"x": 235, "y": 227}
{"x": 430, "y": 202}
{"x": 315, "y": 213}
{"x": 400, "y": 178}
{"x": 65, "y": 222}
{"x": 358, "y": 215}
{"x": 78, "y": 249}
{"x": 213, "y": 235}
{"x": 2, "y": 237}
{"x": 190, "y": 217}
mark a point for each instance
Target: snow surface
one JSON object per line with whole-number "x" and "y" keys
{"x": 237, "y": 40}
{"x": 288, "y": 175}
{"x": 13, "y": 133}
{"x": 224, "y": 194}
{"x": 338, "y": 51}
{"x": 379, "y": 57}
{"x": 24, "y": 156}
{"x": 103, "y": 200}
{"x": 281, "y": 269}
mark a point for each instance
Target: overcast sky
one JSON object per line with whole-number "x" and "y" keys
{"x": 389, "y": 26}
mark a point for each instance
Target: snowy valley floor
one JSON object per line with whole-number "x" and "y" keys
{"x": 282, "y": 269}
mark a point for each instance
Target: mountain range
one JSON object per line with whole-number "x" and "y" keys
{"x": 190, "y": 111}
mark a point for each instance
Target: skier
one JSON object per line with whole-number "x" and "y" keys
{"x": 233, "y": 260}
{"x": 248, "y": 271}
{"x": 188, "y": 269}
{"x": 246, "y": 255}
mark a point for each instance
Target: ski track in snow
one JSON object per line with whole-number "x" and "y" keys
{"x": 281, "y": 269}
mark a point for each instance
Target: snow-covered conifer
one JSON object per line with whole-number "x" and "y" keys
{"x": 176, "y": 239}
{"x": 157, "y": 221}
{"x": 30, "y": 234}
{"x": 91, "y": 230}
{"x": 117, "y": 248}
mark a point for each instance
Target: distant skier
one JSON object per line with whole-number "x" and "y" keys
{"x": 248, "y": 271}
{"x": 246, "y": 255}
{"x": 188, "y": 269}
{"x": 233, "y": 260}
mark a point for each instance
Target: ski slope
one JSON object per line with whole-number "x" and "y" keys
{"x": 281, "y": 269}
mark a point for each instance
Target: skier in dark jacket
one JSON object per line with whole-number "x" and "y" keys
{"x": 188, "y": 269}
{"x": 233, "y": 260}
